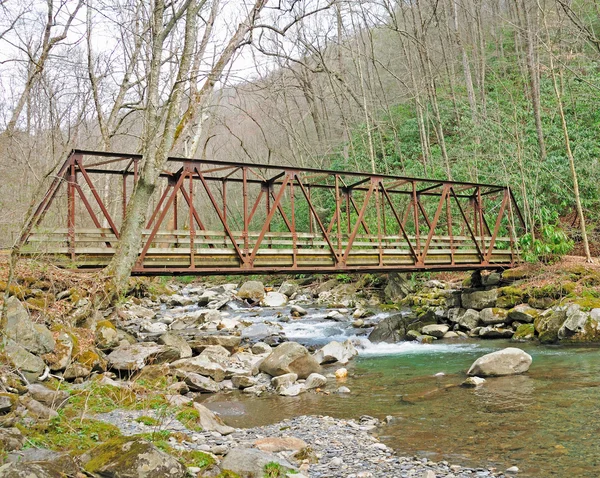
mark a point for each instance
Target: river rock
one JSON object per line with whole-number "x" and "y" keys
{"x": 32, "y": 470}
{"x": 523, "y": 313}
{"x": 298, "y": 311}
{"x": 252, "y": 290}
{"x": 336, "y": 352}
{"x": 293, "y": 390}
{"x": 315, "y": 380}
{"x": 37, "y": 409}
{"x": 491, "y": 332}
{"x": 435, "y": 330}
{"x": 493, "y": 316}
{"x": 50, "y": 398}
{"x": 549, "y": 323}
{"x": 61, "y": 356}
{"x": 106, "y": 335}
{"x": 467, "y": 319}
{"x": 575, "y": 322}
{"x": 131, "y": 457}
{"x": 451, "y": 335}
{"x": 509, "y": 361}
{"x": 250, "y": 462}
{"x": 261, "y": 348}
{"x": 11, "y": 439}
{"x": 35, "y": 338}
{"x": 279, "y": 444}
{"x": 290, "y": 357}
{"x": 335, "y": 315}
{"x": 31, "y": 366}
{"x": 398, "y": 287}
{"x": 230, "y": 342}
{"x": 196, "y": 319}
{"x": 201, "y": 365}
{"x": 284, "y": 381}
{"x": 288, "y": 288}
{"x": 243, "y": 381}
{"x": 177, "y": 342}
{"x": 259, "y": 331}
{"x": 211, "y": 422}
{"x": 473, "y": 382}
{"x": 200, "y": 383}
{"x": 132, "y": 358}
{"x": 76, "y": 370}
{"x": 395, "y": 327}
{"x": 479, "y": 299}
{"x": 274, "y": 299}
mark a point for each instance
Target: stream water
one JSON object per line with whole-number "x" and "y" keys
{"x": 547, "y": 422}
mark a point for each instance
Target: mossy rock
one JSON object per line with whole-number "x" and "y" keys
{"x": 133, "y": 457}
{"x": 542, "y": 303}
{"x": 589, "y": 334}
{"x": 513, "y": 275}
{"x": 552, "y": 291}
{"x": 586, "y": 303}
{"x": 524, "y": 332}
{"x": 510, "y": 296}
{"x": 547, "y": 325}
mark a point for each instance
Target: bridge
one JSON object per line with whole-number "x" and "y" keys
{"x": 222, "y": 217}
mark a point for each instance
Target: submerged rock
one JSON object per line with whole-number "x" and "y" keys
{"x": 509, "y": 361}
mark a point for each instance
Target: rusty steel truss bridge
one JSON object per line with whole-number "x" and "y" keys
{"x": 225, "y": 217}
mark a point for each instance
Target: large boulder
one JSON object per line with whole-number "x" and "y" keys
{"x": 397, "y": 288}
{"x": 479, "y": 299}
{"x": 132, "y": 358}
{"x": 290, "y": 357}
{"x": 493, "y": 316}
{"x": 31, "y": 366}
{"x": 131, "y": 457}
{"x": 523, "y": 313}
{"x": 492, "y": 332}
{"x": 575, "y": 323}
{"x": 274, "y": 299}
{"x": 435, "y": 330}
{"x": 549, "y": 323}
{"x": 395, "y": 327}
{"x": 106, "y": 335}
{"x": 250, "y": 462}
{"x": 230, "y": 342}
{"x": 178, "y": 342}
{"x": 288, "y": 288}
{"x": 61, "y": 356}
{"x": 35, "y": 338}
{"x": 201, "y": 365}
{"x": 336, "y": 352}
{"x": 466, "y": 319}
{"x": 32, "y": 470}
{"x": 509, "y": 361}
{"x": 252, "y": 290}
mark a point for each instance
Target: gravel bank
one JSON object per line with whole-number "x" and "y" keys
{"x": 339, "y": 448}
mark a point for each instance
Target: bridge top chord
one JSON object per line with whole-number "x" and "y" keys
{"x": 225, "y": 217}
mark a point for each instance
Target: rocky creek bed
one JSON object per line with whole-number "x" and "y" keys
{"x": 120, "y": 389}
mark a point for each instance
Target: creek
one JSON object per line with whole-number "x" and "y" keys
{"x": 545, "y": 421}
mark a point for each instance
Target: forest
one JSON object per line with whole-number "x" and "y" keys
{"x": 493, "y": 91}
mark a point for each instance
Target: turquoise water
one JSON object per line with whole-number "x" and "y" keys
{"x": 547, "y": 422}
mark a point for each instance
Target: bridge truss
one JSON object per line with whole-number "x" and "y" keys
{"x": 224, "y": 217}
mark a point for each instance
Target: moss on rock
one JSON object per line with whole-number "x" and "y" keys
{"x": 524, "y": 332}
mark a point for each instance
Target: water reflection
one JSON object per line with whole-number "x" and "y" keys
{"x": 546, "y": 422}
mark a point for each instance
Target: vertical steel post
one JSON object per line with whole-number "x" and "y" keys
{"x": 192, "y": 223}
{"x": 245, "y": 205}
{"x": 71, "y": 208}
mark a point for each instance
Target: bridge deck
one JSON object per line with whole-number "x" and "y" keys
{"x": 375, "y": 223}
